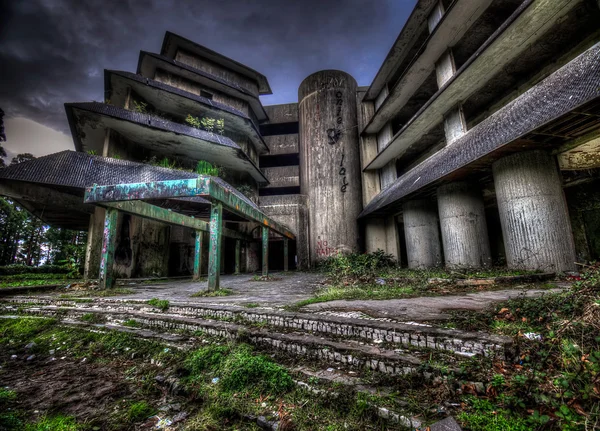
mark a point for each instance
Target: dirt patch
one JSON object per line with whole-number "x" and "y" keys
{"x": 80, "y": 389}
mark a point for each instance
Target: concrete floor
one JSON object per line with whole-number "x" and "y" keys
{"x": 286, "y": 288}
{"x": 289, "y": 288}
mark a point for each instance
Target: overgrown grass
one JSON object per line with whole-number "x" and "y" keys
{"x": 54, "y": 423}
{"x": 161, "y": 304}
{"x": 555, "y": 383}
{"x": 97, "y": 293}
{"x": 139, "y": 411}
{"x": 212, "y": 293}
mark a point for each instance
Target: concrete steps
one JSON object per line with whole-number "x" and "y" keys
{"x": 391, "y": 335}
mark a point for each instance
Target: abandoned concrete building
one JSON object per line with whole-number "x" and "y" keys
{"x": 476, "y": 144}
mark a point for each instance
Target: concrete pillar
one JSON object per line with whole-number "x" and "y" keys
{"x": 214, "y": 252}
{"x": 330, "y": 171}
{"x": 368, "y": 149}
{"x": 285, "y": 254}
{"x": 265, "y": 251}
{"x": 93, "y": 247}
{"x": 198, "y": 254}
{"x": 387, "y": 174}
{"x": 106, "y": 278}
{"x": 533, "y": 212}
{"x": 421, "y": 230}
{"x": 238, "y": 252}
{"x": 463, "y": 226}
{"x": 382, "y": 234}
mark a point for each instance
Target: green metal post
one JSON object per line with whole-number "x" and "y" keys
{"x": 265, "y": 251}
{"x": 285, "y": 254}
{"x": 198, "y": 255}
{"x": 238, "y": 251}
{"x": 106, "y": 279}
{"x": 214, "y": 252}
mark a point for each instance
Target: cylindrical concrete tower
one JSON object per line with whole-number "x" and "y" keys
{"x": 463, "y": 225}
{"x": 330, "y": 161}
{"x": 533, "y": 212}
{"x": 422, "y": 235}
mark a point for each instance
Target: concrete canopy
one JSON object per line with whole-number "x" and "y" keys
{"x": 88, "y": 122}
{"x": 530, "y": 121}
{"x": 172, "y": 42}
{"x": 178, "y": 102}
{"x": 149, "y": 62}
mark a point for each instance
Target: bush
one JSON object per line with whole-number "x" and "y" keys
{"x": 238, "y": 369}
{"x": 358, "y": 267}
{"x": 24, "y": 269}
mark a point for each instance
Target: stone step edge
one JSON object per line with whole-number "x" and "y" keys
{"x": 371, "y": 330}
{"x": 375, "y": 359}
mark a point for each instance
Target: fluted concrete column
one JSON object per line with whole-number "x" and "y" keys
{"x": 464, "y": 229}
{"x": 421, "y": 230}
{"x": 533, "y": 212}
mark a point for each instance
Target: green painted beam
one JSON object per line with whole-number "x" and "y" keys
{"x": 203, "y": 186}
{"x": 198, "y": 254}
{"x": 237, "y": 205}
{"x": 265, "y": 251}
{"x": 154, "y": 190}
{"x": 164, "y": 215}
{"x": 106, "y": 278}
{"x": 238, "y": 251}
{"x": 285, "y": 253}
{"x": 214, "y": 251}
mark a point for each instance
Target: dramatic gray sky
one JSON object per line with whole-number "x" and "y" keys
{"x": 54, "y": 51}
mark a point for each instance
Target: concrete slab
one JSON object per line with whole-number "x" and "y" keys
{"x": 286, "y": 288}
{"x": 426, "y": 307}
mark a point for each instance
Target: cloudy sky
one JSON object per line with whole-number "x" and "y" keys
{"x": 55, "y": 51}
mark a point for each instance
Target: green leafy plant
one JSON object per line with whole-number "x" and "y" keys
{"x": 140, "y": 107}
{"x": 206, "y": 123}
{"x": 161, "y": 304}
{"x": 139, "y": 411}
{"x": 205, "y": 168}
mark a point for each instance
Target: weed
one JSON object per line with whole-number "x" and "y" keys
{"x": 251, "y": 305}
{"x": 140, "y": 107}
{"x": 131, "y": 323}
{"x": 161, "y": 304}
{"x": 212, "y": 293}
{"x": 139, "y": 411}
{"x": 54, "y": 423}
{"x": 92, "y": 318}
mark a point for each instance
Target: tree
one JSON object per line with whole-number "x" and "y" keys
{"x": 20, "y": 158}
{"x": 2, "y": 134}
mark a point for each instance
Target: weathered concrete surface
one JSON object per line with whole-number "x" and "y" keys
{"x": 286, "y": 289}
{"x": 382, "y": 234}
{"x": 283, "y": 176}
{"x": 291, "y": 210}
{"x": 421, "y": 230}
{"x": 427, "y": 307}
{"x": 284, "y": 113}
{"x": 463, "y": 226}
{"x": 282, "y": 144}
{"x": 93, "y": 247}
{"x": 330, "y": 172}
{"x": 368, "y": 149}
{"x": 533, "y": 212}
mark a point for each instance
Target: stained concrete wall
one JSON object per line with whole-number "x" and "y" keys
{"x": 282, "y": 144}
{"x": 284, "y": 113}
{"x": 292, "y": 211}
{"x": 330, "y": 173}
{"x": 215, "y": 69}
{"x": 584, "y": 208}
{"x": 368, "y": 149}
{"x": 283, "y": 176}
{"x": 194, "y": 88}
{"x": 93, "y": 247}
{"x": 533, "y": 212}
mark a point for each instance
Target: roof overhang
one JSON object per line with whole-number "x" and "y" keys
{"x": 530, "y": 21}
{"x": 149, "y": 62}
{"x": 178, "y": 102}
{"x": 89, "y": 122}
{"x": 562, "y": 107}
{"x": 173, "y": 42}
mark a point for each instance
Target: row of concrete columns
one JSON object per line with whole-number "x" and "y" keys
{"x": 106, "y": 276}
{"x": 533, "y": 215}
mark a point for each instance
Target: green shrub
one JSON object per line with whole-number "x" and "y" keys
{"x": 24, "y": 269}
{"x": 161, "y": 304}
{"x": 139, "y": 411}
{"x": 54, "y": 423}
{"x": 356, "y": 266}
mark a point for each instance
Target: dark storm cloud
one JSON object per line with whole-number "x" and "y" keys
{"x": 54, "y": 51}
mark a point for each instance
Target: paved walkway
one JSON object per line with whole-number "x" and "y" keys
{"x": 425, "y": 307}
{"x": 286, "y": 288}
